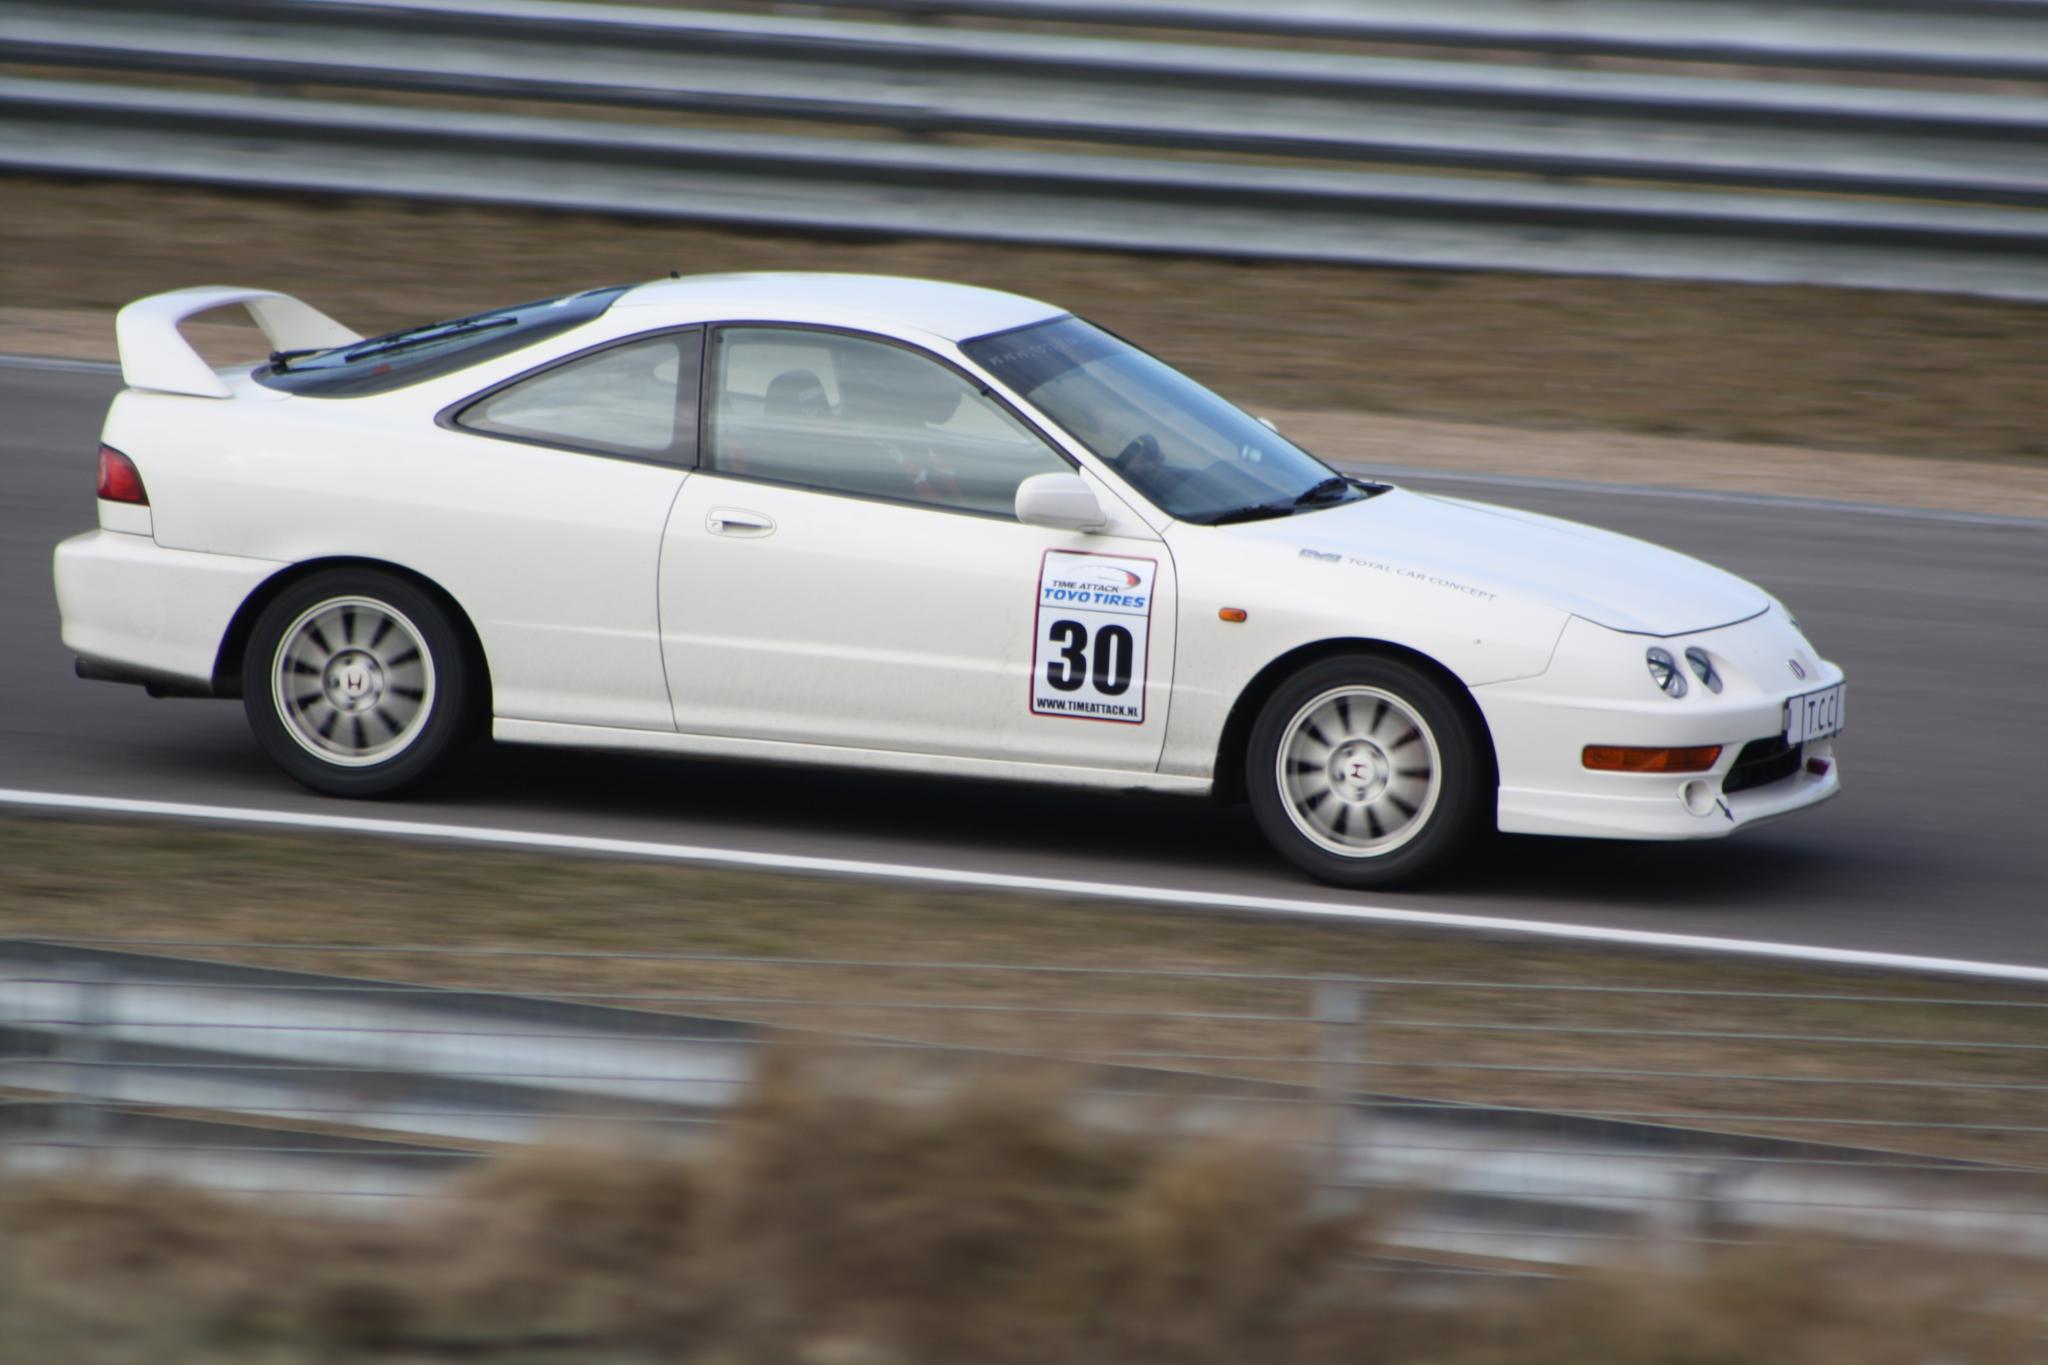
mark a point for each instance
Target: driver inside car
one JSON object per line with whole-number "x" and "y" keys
{"x": 900, "y": 402}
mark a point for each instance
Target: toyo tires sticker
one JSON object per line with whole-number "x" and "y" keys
{"x": 1094, "y": 628}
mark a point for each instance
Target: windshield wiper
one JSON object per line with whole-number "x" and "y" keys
{"x": 1322, "y": 494}
{"x": 421, "y": 336}
{"x": 1367, "y": 488}
{"x": 279, "y": 360}
{"x": 1322, "y": 491}
{"x": 1260, "y": 511}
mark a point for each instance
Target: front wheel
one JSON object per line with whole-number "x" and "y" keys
{"x": 355, "y": 683}
{"x": 1363, "y": 772}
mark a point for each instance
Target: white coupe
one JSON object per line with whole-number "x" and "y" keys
{"x": 907, "y": 525}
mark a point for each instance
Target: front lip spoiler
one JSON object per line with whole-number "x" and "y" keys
{"x": 153, "y": 681}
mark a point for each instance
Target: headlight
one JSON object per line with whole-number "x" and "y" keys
{"x": 1664, "y": 672}
{"x": 1702, "y": 668}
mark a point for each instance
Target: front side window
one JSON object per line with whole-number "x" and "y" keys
{"x": 847, "y": 414}
{"x": 1196, "y": 456}
{"x": 637, "y": 399}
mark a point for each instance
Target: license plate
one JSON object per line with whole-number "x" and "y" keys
{"x": 1814, "y": 716}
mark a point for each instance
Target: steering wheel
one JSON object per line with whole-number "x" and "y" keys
{"x": 1141, "y": 459}
{"x": 930, "y": 480}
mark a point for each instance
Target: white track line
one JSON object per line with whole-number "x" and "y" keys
{"x": 1063, "y": 886}
{"x": 49, "y": 362}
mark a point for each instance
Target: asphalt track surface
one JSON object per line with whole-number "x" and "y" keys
{"x": 1938, "y": 846}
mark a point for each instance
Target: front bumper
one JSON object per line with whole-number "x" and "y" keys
{"x": 131, "y": 607}
{"x": 1598, "y": 691}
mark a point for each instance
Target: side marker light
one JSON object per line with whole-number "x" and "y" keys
{"x": 1231, "y": 614}
{"x": 1615, "y": 758}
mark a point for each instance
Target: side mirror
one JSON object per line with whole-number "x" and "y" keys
{"x": 1064, "y": 502}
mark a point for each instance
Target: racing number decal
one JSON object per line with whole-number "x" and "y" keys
{"x": 1069, "y": 672}
{"x": 1094, "y": 617}
{"x": 1110, "y": 668}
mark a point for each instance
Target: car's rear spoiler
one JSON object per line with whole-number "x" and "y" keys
{"x": 154, "y": 355}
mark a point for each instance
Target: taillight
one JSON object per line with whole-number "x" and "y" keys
{"x": 120, "y": 480}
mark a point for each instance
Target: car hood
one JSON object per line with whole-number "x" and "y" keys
{"x": 1612, "y": 580}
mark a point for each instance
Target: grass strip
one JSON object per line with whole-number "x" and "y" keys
{"x": 1838, "y": 369}
{"x": 1824, "y": 1054}
{"x": 825, "y": 1227}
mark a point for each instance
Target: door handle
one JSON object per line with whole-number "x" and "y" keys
{"x": 734, "y": 521}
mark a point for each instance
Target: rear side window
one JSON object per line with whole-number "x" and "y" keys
{"x": 637, "y": 399}
{"x": 416, "y": 354}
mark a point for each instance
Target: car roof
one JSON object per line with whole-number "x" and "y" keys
{"x": 886, "y": 303}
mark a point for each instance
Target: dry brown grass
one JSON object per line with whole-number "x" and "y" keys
{"x": 1839, "y": 369}
{"x": 825, "y": 1228}
{"x": 1810, "y": 1304}
{"x": 573, "y": 927}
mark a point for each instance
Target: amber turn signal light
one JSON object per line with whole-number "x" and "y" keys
{"x": 1614, "y": 758}
{"x": 1231, "y": 614}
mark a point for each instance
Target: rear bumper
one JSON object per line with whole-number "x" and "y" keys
{"x": 135, "y": 612}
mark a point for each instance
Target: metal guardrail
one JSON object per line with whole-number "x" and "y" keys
{"x": 1947, "y": 37}
{"x": 1779, "y": 157}
{"x": 270, "y": 1081}
{"x": 1527, "y": 120}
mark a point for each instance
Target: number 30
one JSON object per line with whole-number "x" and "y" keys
{"x": 1113, "y": 650}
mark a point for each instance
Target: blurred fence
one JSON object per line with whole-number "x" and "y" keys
{"x": 1001, "y": 126}
{"x": 1522, "y": 1124}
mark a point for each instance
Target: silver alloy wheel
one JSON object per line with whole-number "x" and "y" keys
{"x": 1358, "y": 771}
{"x": 352, "y": 681}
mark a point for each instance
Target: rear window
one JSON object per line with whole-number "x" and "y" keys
{"x": 416, "y": 354}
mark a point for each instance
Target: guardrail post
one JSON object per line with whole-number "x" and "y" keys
{"x": 1691, "y": 1217}
{"x": 82, "y": 1117}
{"x": 1338, "y": 1007}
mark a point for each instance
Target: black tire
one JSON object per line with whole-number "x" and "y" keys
{"x": 1361, "y": 730}
{"x": 392, "y": 700}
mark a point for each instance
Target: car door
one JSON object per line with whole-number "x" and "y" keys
{"x": 846, "y": 568}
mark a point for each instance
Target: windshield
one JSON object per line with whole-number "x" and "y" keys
{"x": 1195, "y": 455}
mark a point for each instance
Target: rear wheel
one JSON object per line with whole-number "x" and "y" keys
{"x": 1363, "y": 772}
{"x": 355, "y": 683}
